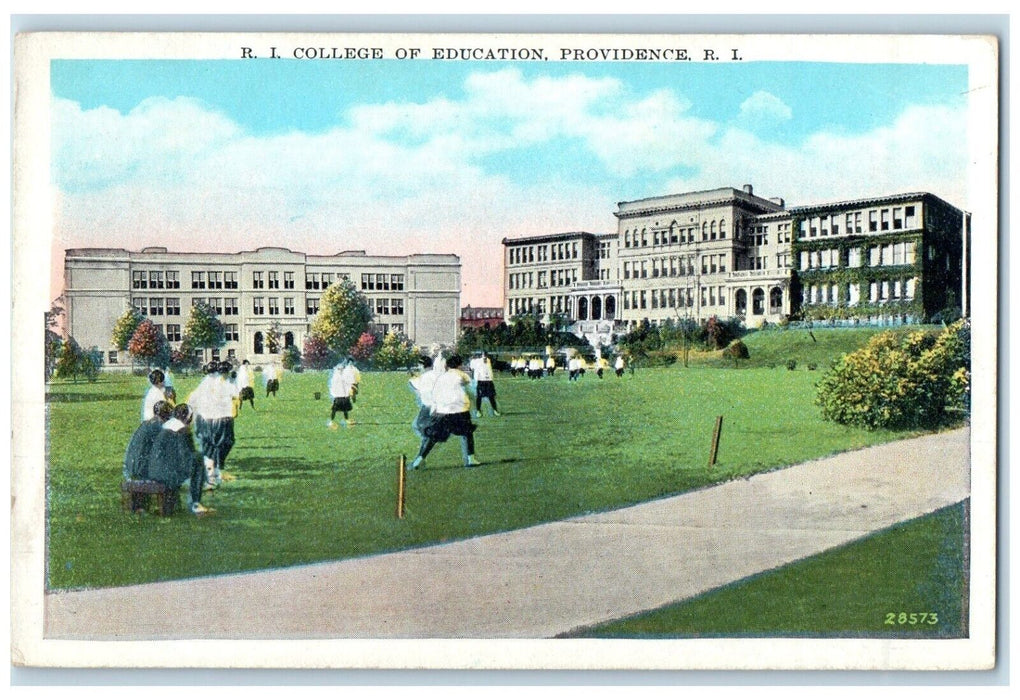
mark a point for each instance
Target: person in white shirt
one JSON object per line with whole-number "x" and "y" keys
{"x": 619, "y": 365}
{"x": 168, "y": 385}
{"x": 340, "y": 388}
{"x": 550, "y": 365}
{"x": 212, "y": 402}
{"x": 452, "y": 411}
{"x": 485, "y": 388}
{"x": 353, "y": 377}
{"x": 573, "y": 368}
{"x": 245, "y": 391}
{"x": 271, "y": 375}
{"x": 535, "y": 366}
{"x": 155, "y": 394}
{"x": 423, "y": 387}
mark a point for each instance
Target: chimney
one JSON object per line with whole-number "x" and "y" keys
{"x": 778, "y": 200}
{"x": 748, "y": 189}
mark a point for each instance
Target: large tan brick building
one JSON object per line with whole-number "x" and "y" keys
{"x": 418, "y": 295}
{"x": 730, "y": 253}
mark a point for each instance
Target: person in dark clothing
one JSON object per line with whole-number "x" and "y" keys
{"x": 136, "y": 458}
{"x": 174, "y": 461}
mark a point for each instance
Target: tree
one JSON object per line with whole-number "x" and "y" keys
{"x": 149, "y": 344}
{"x": 75, "y": 362}
{"x": 273, "y": 336}
{"x": 343, "y": 316}
{"x": 125, "y": 327}
{"x": 364, "y": 349}
{"x": 316, "y": 354}
{"x": 203, "y": 329}
{"x": 291, "y": 358}
{"x": 396, "y": 352}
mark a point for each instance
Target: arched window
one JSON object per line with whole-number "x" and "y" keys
{"x": 257, "y": 349}
{"x": 741, "y": 301}
{"x": 596, "y": 308}
{"x": 610, "y": 308}
{"x": 288, "y": 339}
{"x": 722, "y": 228}
{"x": 775, "y": 300}
{"x": 758, "y": 301}
{"x": 582, "y": 309}
{"x": 712, "y": 231}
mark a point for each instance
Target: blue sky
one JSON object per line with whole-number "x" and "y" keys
{"x": 452, "y": 156}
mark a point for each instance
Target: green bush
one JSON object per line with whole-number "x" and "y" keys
{"x": 900, "y": 383}
{"x": 791, "y": 364}
{"x": 737, "y": 350}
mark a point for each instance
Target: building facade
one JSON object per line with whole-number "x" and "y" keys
{"x": 418, "y": 295}
{"x": 481, "y": 316}
{"x": 730, "y": 253}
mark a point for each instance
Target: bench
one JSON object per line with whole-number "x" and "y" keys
{"x": 135, "y": 495}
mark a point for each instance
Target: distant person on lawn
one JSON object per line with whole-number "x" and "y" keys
{"x": 136, "y": 458}
{"x": 423, "y": 387}
{"x": 174, "y": 461}
{"x": 340, "y": 389}
{"x": 271, "y": 375}
{"x": 156, "y": 392}
{"x": 485, "y": 387}
{"x": 245, "y": 391}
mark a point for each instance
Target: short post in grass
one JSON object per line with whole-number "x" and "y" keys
{"x": 401, "y": 482}
{"x": 715, "y": 441}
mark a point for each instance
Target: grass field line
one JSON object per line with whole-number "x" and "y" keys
{"x": 544, "y": 580}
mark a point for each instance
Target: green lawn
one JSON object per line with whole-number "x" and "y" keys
{"x": 818, "y": 346}
{"x": 305, "y": 494}
{"x": 904, "y": 582}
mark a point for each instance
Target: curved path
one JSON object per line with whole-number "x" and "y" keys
{"x": 545, "y": 580}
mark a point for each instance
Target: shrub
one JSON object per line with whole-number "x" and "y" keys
{"x": 892, "y": 383}
{"x": 737, "y": 350}
{"x": 791, "y": 364}
{"x": 812, "y": 366}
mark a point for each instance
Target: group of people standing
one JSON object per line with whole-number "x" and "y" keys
{"x": 188, "y": 443}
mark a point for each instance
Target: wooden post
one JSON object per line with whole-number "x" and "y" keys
{"x": 715, "y": 441}
{"x": 401, "y": 480}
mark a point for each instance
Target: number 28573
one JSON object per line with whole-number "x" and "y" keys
{"x": 915, "y": 618}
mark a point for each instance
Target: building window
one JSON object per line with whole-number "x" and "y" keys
{"x": 288, "y": 306}
{"x": 230, "y": 332}
{"x": 155, "y": 280}
{"x": 232, "y": 354}
{"x": 367, "y": 282}
{"x": 198, "y": 280}
{"x": 885, "y": 219}
{"x": 397, "y": 307}
{"x": 258, "y": 305}
{"x": 173, "y": 332}
{"x": 197, "y": 300}
{"x": 258, "y": 280}
{"x": 311, "y": 306}
{"x": 911, "y": 218}
{"x": 854, "y": 257}
{"x": 257, "y": 343}
{"x": 173, "y": 306}
{"x": 230, "y": 280}
{"x": 274, "y": 306}
{"x": 112, "y": 357}
{"x": 139, "y": 280}
{"x": 230, "y": 306}
{"x": 274, "y": 280}
{"x": 173, "y": 279}
{"x": 216, "y": 304}
{"x": 288, "y": 280}
{"x": 873, "y": 220}
{"x": 155, "y": 306}
{"x": 382, "y": 306}
{"x": 215, "y": 280}
{"x": 312, "y": 280}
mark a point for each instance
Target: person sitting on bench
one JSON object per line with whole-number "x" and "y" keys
{"x": 174, "y": 459}
{"x": 136, "y": 459}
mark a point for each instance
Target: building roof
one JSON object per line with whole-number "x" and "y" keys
{"x": 551, "y": 237}
{"x": 870, "y": 201}
{"x": 690, "y": 200}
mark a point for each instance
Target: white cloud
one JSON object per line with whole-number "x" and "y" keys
{"x": 400, "y": 177}
{"x": 764, "y": 107}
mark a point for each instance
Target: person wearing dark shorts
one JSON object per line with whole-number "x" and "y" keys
{"x": 452, "y": 415}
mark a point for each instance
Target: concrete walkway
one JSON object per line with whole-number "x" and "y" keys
{"x": 546, "y": 580}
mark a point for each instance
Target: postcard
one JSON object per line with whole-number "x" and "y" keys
{"x": 505, "y": 351}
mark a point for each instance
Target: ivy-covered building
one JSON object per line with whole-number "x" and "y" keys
{"x": 733, "y": 254}
{"x": 891, "y": 259}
